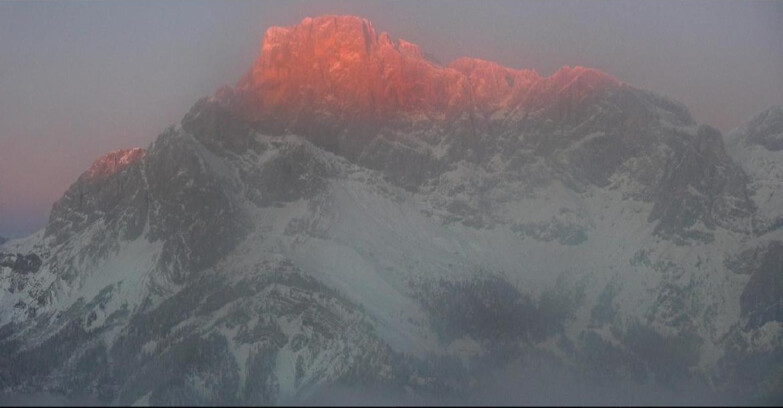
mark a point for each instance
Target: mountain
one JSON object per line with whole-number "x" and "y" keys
{"x": 355, "y": 222}
{"x": 758, "y": 147}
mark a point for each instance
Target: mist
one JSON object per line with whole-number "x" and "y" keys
{"x": 83, "y": 78}
{"x": 391, "y": 203}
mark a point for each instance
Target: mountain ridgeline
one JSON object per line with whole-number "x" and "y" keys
{"x": 353, "y": 221}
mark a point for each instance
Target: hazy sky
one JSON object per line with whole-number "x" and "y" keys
{"x": 81, "y": 78}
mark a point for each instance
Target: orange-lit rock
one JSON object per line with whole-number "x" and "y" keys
{"x": 113, "y": 162}
{"x": 571, "y": 85}
{"x": 494, "y": 86}
{"x": 335, "y": 68}
{"x": 339, "y": 65}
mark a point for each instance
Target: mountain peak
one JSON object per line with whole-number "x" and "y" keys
{"x": 113, "y": 162}
{"x": 763, "y": 129}
{"x": 769, "y": 116}
{"x": 338, "y": 65}
{"x": 346, "y": 33}
{"x": 333, "y": 68}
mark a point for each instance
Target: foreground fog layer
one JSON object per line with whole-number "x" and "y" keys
{"x": 355, "y": 223}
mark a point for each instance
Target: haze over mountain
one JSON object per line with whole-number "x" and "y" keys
{"x": 353, "y": 221}
{"x": 111, "y": 75}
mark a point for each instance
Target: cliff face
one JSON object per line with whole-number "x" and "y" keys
{"x": 99, "y": 192}
{"x": 339, "y": 67}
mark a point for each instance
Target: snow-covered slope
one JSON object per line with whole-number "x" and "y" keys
{"x": 267, "y": 250}
{"x": 758, "y": 147}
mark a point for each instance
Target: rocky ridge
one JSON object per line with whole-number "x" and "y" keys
{"x": 353, "y": 214}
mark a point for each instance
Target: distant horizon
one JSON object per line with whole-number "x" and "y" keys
{"x": 85, "y": 78}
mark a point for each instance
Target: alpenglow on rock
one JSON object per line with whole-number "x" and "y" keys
{"x": 354, "y": 218}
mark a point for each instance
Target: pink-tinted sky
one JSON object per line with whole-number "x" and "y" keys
{"x": 81, "y": 78}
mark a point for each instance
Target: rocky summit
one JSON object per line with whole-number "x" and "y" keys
{"x": 354, "y": 219}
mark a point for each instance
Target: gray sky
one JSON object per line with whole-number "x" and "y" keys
{"x": 81, "y": 78}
